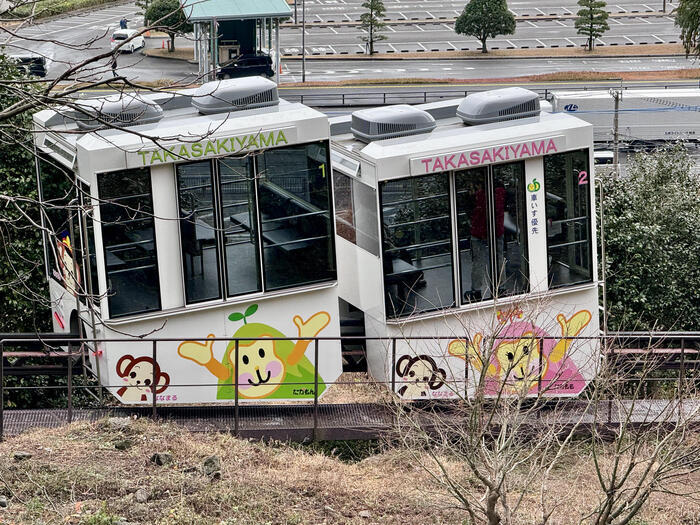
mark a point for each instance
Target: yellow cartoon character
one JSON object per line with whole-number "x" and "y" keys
{"x": 267, "y": 368}
{"x": 526, "y": 356}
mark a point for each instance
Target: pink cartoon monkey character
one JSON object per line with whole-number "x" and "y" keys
{"x": 526, "y": 357}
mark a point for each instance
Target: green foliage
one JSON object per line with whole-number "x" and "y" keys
{"x": 44, "y": 8}
{"x": 484, "y": 19}
{"x": 688, "y": 20}
{"x": 22, "y": 281}
{"x": 371, "y": 22}
{"x": 592, "y": 20}
{"x": 168, "y": 16}
{"x": 652, "y": 234}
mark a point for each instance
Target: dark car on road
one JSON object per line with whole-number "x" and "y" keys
{"x": 31, "y": 64}
{"x": 246, "y": 66}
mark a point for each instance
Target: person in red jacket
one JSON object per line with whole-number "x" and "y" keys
{"x": 480, "y": 242}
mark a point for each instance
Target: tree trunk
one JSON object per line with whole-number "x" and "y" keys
{"x": 371, "y": 38}
{"x": 590, "y": 43}
{"x": 483, "y": 46}
{"x": 172, "y": 43}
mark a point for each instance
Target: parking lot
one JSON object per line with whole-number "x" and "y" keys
{"x": 350, "y": 10}
{"x": 440, "y": 36}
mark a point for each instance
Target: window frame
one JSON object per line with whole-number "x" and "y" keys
{"x": 260, "y": 247}
{"x": 456, "y": 264}
{"x": 102, "y": 200}
{"x": 589, "y": 220}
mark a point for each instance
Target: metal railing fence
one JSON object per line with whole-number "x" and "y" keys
{"x": 381, "y": 96}
{"x": 671, "y": 350}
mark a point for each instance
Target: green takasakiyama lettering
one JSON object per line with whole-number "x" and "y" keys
{"x": 210, "y": 148}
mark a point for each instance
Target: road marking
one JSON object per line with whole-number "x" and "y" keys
{"x": 570, "y": 41}
{"x": 392, "y": 47}
{"x": 659, "y": 39}
{"x": 628, "y": 38}
{"x": 421, "y": 45}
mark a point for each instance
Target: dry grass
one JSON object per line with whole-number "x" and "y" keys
{"x": 76, "y": 476}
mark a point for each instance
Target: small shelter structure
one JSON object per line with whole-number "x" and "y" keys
{"x": 225, "y": 29}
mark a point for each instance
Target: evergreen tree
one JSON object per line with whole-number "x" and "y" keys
{"x": 485, "y": 19}
{"x": 652, "y": 235}
{"x": 371, "y": 22}
{"x": 168, "y": 15}
{"x": 23, "y": 289}
{"x": 688, "y": 19}
{"x": 592, "y": 20}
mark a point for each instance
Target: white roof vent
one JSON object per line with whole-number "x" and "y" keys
{"x": 499, "y": 104}
{"x": 224, "y": 96}
{"x": 121, "y": 110}
{"x": 391, "y": 121}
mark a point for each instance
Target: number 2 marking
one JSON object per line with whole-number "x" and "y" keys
{"x": 582, "y": 178}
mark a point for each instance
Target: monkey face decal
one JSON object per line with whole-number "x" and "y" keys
{"x": 137, "y": 374}
{"x": 419, "y": 375}
{"x": 260, "y": 371}
{"x": 519, "y": 362}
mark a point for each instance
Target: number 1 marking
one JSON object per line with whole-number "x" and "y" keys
{"x": 323, "y": 171}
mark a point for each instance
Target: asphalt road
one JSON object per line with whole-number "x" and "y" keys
{"x": 72, "y": 39}
{"x": 335, "y": 70}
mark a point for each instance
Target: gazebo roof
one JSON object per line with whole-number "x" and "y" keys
{"x": 205, "y": 10}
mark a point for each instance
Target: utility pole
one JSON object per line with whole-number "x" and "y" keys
{"x": 295, "y": 11}
{"x": 617, "y": 95}
{"x": 303, "y": 40}
{"x": 664, "y": 7}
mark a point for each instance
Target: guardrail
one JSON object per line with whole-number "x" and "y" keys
{"x": 671, "y": 350}
{"x": 383, "y": 97}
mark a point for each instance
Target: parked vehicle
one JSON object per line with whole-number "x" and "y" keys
{"x": 246, "y": 65}
{"x": 120, "y": 35}
{"x": 32, "y": 64}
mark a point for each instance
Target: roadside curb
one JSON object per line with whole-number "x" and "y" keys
{"x": 431, "y": 56}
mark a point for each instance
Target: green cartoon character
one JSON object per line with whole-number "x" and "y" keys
{"x": 267, "y": 368}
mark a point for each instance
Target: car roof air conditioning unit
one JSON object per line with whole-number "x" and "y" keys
{"x": 391, "y": 121}
{"x": 121, "y": 110}
{"x": 224, "y": 96}
{"x": 499, "y": 104}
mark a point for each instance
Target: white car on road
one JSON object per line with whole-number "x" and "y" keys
{"x": 120, "y": 35}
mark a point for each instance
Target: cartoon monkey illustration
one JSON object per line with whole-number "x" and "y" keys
{"x": 137, "y": 372}
{"x": 421, "y": 374}
{"x": 519, "y": 362}
{"x": 267, "y": 368}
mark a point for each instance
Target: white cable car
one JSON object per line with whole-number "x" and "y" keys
{"x": 206, "y": 211}
{"x": 470, "y": 223}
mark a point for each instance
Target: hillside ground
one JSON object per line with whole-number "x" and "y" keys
{"x": 103, "y": 474}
